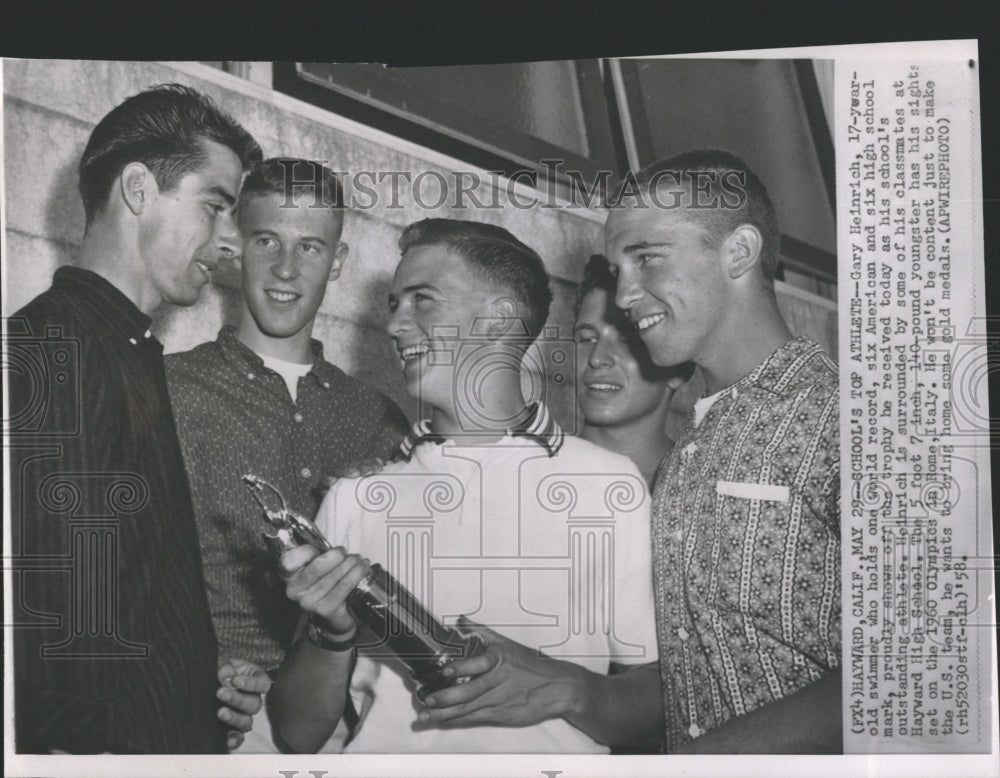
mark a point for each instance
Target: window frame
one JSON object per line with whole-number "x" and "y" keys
{"x": 617, "y": 134}
{"x": 487, "y": 153}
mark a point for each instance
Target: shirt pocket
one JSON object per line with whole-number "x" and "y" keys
{"x": 753, "y": 491}
{"x": 742, "y": 562}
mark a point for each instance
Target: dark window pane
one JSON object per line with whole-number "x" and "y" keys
{"x": 755, "y": 109}
{"x": 517, "y": 114}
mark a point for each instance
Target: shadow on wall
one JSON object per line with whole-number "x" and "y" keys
{"x": 182, "y": 328}
{"x": 64, "y": 220}
{"x": 370, "y": 355}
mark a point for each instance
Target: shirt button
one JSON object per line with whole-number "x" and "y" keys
{"x": 298, "y": 417}
{"x": 147, "y": 334}
{"x": 133, "y": 341}
{"x": 306, "y": 472}
{"x": 251, "y": 376}
{"x": 694, "y": 730}
{"x": 326, "y": 384}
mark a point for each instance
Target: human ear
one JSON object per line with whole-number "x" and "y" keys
{"x": 138, "y": 186}
{"x": 742, "y": 247}
{"x": 338, "y": 260}
{"x": 503, "y": 318}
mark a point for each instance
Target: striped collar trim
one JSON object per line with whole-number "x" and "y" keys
{"x": 540, "y": 427}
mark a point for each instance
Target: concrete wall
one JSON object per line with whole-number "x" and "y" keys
{"x": 50, "y": 108}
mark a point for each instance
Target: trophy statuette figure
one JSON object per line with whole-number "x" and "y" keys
{"x": 379, "y": 601}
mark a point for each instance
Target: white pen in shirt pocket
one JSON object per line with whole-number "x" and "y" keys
{"x": 751, "y": 491}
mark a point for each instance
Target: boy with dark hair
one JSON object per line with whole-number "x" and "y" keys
{"x": 164, "y": 128}
{"x": 123, "y": 657}
{"x": 262, "y": 399}
{"x": 623, "y": 396}
{"x": 482, "y": 518}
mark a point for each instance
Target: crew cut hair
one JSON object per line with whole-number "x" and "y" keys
{"x": 161, "y": 127}
{"x": 496, "y": 256}
{"x": 720, "y": 192}
{"x": 290, "y": 176}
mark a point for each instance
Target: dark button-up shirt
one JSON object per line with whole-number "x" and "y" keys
{"x": 235, "y": 416}
{"x": 746, "y": 544}
{"x": 114, "y": 649}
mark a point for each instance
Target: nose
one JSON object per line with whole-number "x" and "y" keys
{"x": 600, "y": 354}
{"x": 227, "y": 236}
{"x": 284, "y": 266}
{"x": 627, "y": 290}
{"x": 399, "y": 321}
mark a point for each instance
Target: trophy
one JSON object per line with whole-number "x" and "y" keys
{"x": 379, "y": 601}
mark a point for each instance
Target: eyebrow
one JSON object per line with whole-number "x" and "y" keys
{"x": 303, "y": 239}
{"x": 219, "y": 191}
{"x": 419, "y": 288}
{"x": 645, "y": 244}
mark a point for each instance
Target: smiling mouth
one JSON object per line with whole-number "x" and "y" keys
{"x": 410, "y": 354}
{"x": 206, "y": 268}
{"x": 601, "y": 386}
{"x": 281, "y": 297}
{"x": 649, "y": 321}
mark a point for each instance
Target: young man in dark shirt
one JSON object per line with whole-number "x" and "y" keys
{"x": 114, "y": 649}
{"x": 262, "y": 399}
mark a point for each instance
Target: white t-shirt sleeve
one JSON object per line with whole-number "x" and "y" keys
{"x": 339, "y": 516}
{"x": 340, "y": 520}
{"x": 634, "y": 610}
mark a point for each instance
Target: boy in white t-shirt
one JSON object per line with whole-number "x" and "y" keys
{"x": 495, "y": 514}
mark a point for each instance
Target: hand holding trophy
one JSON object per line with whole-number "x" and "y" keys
{"x": 379, "y": 601}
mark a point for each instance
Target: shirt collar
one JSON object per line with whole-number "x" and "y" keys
{"x": 773, "y": 375}
{"x": 238, "y": 352}
{"x": 540, "y": 427}
{"x": 107, "y": 301}
{"x": 776, "y": 372}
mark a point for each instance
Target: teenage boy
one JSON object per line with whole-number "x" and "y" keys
{"x": 512, "y": 503}
{"x": 623, "y": 396}
{"x": 262, "y": 399}
{"x": 746, "y": 525}
{"x": 124, "y": 659}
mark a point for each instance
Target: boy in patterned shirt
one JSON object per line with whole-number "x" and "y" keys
{"x": 745, "y": 513}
